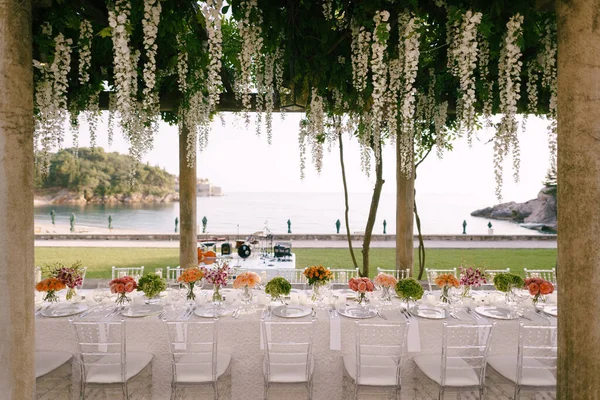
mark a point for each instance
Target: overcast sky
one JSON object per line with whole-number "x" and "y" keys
{"x": 240, "y": 161}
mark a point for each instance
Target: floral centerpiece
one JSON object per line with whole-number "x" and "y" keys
{"x": 445, "y": 282}
{"x": 317, "y": 276}
{"x": 50, "y": 286}
{"x": 278, "y": 287}
{"x": 469, "y": 278}
{"x": 217, "y": 276}
{"x": 72, "y": 276}
{"x": 538, "y": 287}
{"x": 409, "y": 289}
{"x": 506, "y": 283}
{"x": 386, "y": 282}
{"x": 361, "y": 286}
{"x": 122, "y": 286}
{"x": 151, "y": 285}
{"x": 189, "y": 277}
{"x": 246, "y": 281}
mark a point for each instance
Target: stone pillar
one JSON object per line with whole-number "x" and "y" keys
{"x": 405, "y": 203}
{"x": 578, "y": 199}
{"x": 17, "y": 378}
{"x": 188, "y": 239}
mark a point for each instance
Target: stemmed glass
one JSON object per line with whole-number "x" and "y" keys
{"x": 99, "y": 293}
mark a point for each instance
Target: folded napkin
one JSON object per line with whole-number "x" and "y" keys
{"x": 335, "y": 332}
{"x": 483, "y": 333}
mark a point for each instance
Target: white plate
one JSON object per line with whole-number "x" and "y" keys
{"x": 142, "y": 310}
{"x": 347, "y": 293}
{"x": 551, "y": 310}
{"x": 212, "y": 311}
{"x": 356, "y": 312}
{"x": 429, "y": 312}
{"x": 496, "y": 312}
{"x": 292, "y": 311}
{"x": 64, "y": 310}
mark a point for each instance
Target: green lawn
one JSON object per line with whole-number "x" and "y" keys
{"x": 99, "y": 260}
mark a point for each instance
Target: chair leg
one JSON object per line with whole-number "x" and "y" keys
{"x": 355, "y": 390}
{"x": 173, "y": 392}
{"x": 126, "y": 391}
{"x": 441, "y": 394}
{"x": 481, "y": 393}
{"x": 216, "y": 386}
{"x": 517, "y": 392}
{"x": 266, "y": 390}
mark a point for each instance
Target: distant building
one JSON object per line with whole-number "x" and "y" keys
{"x": 203, "y": 188}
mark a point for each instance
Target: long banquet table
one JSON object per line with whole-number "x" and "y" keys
{"x": 241, "y": 337}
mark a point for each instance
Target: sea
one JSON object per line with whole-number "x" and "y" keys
{"x": 308, "y": 213}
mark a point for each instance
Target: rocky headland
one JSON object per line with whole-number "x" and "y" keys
{"x": 64, "y": 196}
{"x": 538, "y": 214}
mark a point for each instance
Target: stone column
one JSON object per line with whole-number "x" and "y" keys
{"x": 188, "y": 239}
{"x": 405, "y": 203}
{"x": 17, "y": 378}
{"x": 578, "y": 199}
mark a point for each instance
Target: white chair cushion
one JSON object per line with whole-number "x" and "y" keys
{"x": 431, "y": 365}
{"x": 288, "y": 369}
{"x": 382, "y": 375}
{"x": 507, "y": 367}
{"x": 186, "y": 372}
{"x": 135, "y": 363}
{"x": 48, "y": 361}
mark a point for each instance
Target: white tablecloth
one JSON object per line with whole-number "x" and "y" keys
{"x": 241, "y": 337}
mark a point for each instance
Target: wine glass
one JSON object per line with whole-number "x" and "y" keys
{"x": 99, "y": 294}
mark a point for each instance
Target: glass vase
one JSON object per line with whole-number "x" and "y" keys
{"x": 217, "y": 298}
{"x": 122, "y": 299}
{"x": 71, "y": 292}
{"x": 246, "y": 295}
{"x": 466, "y": 292}
{"x": 317, "y": 294}
{"x": 445, "y": 297}
{"x": 190, "y": 296}
{"x": 363, "y": 304}
{"x": 51, "y": 297}
{"x": 386, "y": 295}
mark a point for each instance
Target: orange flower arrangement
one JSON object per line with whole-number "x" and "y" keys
{"x": 444, "y": 280}
{"x": 50, "y": 286}
{"x": 538, "y": 287}
{"x": 318, "y": 274}
{"x": 385, "y": 280}
{"x": 249, "y": 279}
{"x": 190, "y": 276}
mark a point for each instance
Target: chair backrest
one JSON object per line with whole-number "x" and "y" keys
{"x": 537, "y": 349}
{"x": 135, "y": 272}
{"x": 288, "y": 345}
{"x": 235, "y": 272}
{"x": 294, "y": 276}
{"x": 546, "y": 274}
{"x": 396, "y": 273}
{"x": 491, "y": 273}
{"x": 433, "y": 273}
{"x": 466, "y": 344}
{"x": 173, "y": 273}
{"x": 101, "y": 344}
{"x": 193, "y": 344}
{"x": 83, "y": 272}
{"x": 380, "y": 347}
{"x": 342, "y": 276}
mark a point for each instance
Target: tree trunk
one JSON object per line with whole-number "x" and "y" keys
{"x": 347, "y": 211}
{"x": 578, "y": 196}
{"x": 17, "y": 378}
{"x": 405, "y": 204}
{"x": 188, "y": 238}
{"x": 421, "y": 243}
{"x": 372, "y": 214}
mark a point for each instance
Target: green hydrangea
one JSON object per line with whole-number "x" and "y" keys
{"x": 504, "y": 282}
{"x": 151, "y": 285}
{"x": 278, "y": 286}
{"x": 409, "y": 289}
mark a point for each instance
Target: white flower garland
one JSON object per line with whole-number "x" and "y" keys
{"x": 92, "y": 115}
{"x": 269, "y": 93}
{"x": 379, "y": 71}
{"x": 112, "y": 104}
{"x": 328, "y": 9}
{"x": 150, "y": 102}
{"x": 462, "y": 60}
{"x": 212, "y": 16}
{"x": 252, "y": 42}
{"x": 182, "y": 65}
{"x": 509, "y": 82}
{"x": 85, "y": 51}
{"x": 533, "y": 78}
{"x": 408, "y": 51}
{"x": 278, "y": 77}
{"x": 302, "y": 135}
{"x": 488, "y": 84}
{"x": 549, "y": 81}
{"x": 196, "y": 117}
{"x": 439, "y": 120}
{"x": 316, "y": 127}
{"x": 394, "y": 69}
{"x": 360, "y": 47}
{"x": 60, "y": 69}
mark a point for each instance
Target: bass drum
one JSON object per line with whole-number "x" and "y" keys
{"x": 244, "y": 251}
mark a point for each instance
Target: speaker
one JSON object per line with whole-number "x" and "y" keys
{"x": 225, "y": 249}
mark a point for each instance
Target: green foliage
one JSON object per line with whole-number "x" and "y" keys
{"x": 278, "y": 286}
{"x": 409, "y": 289}
{"x": 550, "y": 184}
{"x": 504, "y": 282}
{"x": 97, "y": 173}
{"x": 151, "y": 285}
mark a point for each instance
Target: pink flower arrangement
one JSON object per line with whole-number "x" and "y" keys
{"x": 249, "y": 279}
{"x": 385, "y": 280}
{"x": 361, "y": 285}
{"x": 122, "y": 286}
{"x": 473, "y": 277}
{"x": 217, "y": 275}
{"x": 538, "y": 287}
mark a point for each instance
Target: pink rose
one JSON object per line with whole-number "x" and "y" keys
{"x": 129, "y": 286}
{"x": 370, "y": 286}
{"x": 113, "y": 288}
{"x": 120, "y": 288}
{"x": 362, "y": 287}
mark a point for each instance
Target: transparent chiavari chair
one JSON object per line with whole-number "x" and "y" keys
{"x": 433, "y": 273}
{"x": 546, "y": 274}
{"x": 288, "y": 353}
{"x": 135, "y": 272}
{"x": 294, "y": 276}
{"x": 342, "y": 276}
{"x": 83, "y": 272}
{"x": 380, "y": 351}
{"x": 490, "y": 274}
{"x": 195, "y": 356}
{"x": 463, "y": 360}
{"x": 173, "y": 274}
{"x": 103, "y": 357}
{"x": 534, "y": 366}
{"x": 398, "y": 274}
